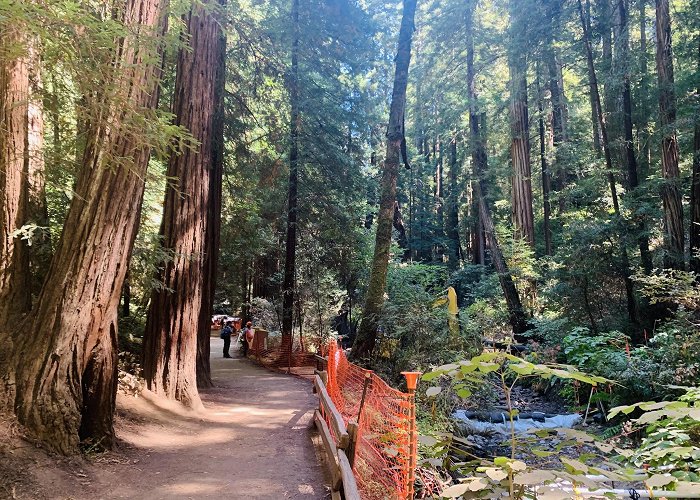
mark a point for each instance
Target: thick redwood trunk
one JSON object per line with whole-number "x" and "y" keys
{"x": 523, "y": 216}
{"x": 15, "y": 296}
{"x": 170, "y": 340}
{"x": 670, "y": 190}
{"x": 292, "y": 201}
{"x": 213, "y": 231}
{"x": 643, "y": 121}
{"x": 66, "y": 375}
{"x": 478, "y": 242}
{"x": 374, "y": 298}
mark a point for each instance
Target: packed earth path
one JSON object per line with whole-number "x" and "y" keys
{"x": 254, "y": 439}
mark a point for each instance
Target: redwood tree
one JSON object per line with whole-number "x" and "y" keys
{"x": 670, "y": 192}
{"x": 65, "y": 357}
{"x": 374, "y": 297}
{"x": 695, "y": 189}
{"x": 15, "y": 297}
{"x": 523, "y": 216}
{"x": 170, "y": 338}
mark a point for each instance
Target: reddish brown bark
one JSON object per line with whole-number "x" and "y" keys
{"x": 170, "y": 339}
{"x": 523, "y": 216}
{"x": 695, "y": 189}
{"x": 15, "y": 297}
{"x": 674, "y": 237}
{"x": 66, "y": 375}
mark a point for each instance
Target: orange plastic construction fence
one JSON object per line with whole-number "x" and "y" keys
{"x": 282, "y": 354}
{"x": 386, "y": 448}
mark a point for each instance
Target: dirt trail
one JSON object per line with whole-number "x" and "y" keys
{"x": 254, "y": 439}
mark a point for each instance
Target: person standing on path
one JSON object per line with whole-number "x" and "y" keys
{"x": 226, "y": 335}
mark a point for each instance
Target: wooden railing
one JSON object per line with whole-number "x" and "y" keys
{"x": 339, "y": 445}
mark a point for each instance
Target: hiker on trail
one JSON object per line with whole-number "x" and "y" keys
{"x": 247, "y": 337}
{"x": 226, "y": 335}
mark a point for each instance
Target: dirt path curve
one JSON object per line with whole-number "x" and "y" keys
{"x": 254, "y": 440}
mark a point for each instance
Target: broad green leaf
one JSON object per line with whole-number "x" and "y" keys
{"x": 534, "y": 477}
{"x": 659, "y": 480}
{"x": 455, "y": 491}
{"x": 496, "y": 474}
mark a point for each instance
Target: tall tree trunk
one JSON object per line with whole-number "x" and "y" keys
{"x": 670, "y": 192}
{"x": 516, "y": 314}
{"x": 631, "y": 160}
{"x": 170, "y": 338}
{"x": 15, "y": 290}
{"x": 402, "y": 240}
{"x": 455, "y": 248}
{"x": 213, "y": 230}
{"x": 292, "y": 207}
{"x": 695, "y": 189}
{"x": 523, "y": 216}
{"x": 594, "y": 105}
{"x": 626, "y": 273}
{"x": 643, "y": 121}
{"x": 374, "y": 298}
{"x": 478, "y": 243}
{"x": 37, "y": 211}
{"x": 66, "y": 372}
{"x": 546, "y": 173}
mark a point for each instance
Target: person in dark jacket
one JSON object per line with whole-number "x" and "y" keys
{"x": 226, "y": 332}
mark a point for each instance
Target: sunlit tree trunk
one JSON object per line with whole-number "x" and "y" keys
{"x": 66, "y": 373}
{"x": 643, "y": 121}
{"x": 516, "y": 314}
{"x": 546, "y": 172}
{"x": 15, "y": 296}
{"x": 374, "y": 297}
{"x": 452, "y": 229}
{"x": 523, "y": 216}
{"x": 670, "y": 191}
{"x": 170, "y": 338}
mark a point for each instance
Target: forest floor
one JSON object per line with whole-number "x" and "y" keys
{"x": 254, "y": 439}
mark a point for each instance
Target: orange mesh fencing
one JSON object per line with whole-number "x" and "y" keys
{"x": 386, "y": 446}
{"x": 282, "y": 354}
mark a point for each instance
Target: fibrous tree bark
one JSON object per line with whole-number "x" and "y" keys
{"x": 670, "y": 191}
{"x": 66, "y": 372}
{"x": 516, "y": 314}
{"x": 292, "y": 201}
{"x": 546, "y": 172}
{"x": 374, "y": 297}
{"x": 212, "y": 236}
{"x": 15, "y": 296}
{"x": 523, "y": 216}
{"x": 643, "y": 114}
{"x": 170, "y": 338}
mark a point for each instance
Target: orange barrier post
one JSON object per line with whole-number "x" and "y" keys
{"x": 411, "y": 384}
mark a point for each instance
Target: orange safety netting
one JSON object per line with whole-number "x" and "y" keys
{"x": 386, "y": 447}
{"x": 282, "y": 354}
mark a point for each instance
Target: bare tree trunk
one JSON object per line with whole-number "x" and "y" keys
{"x": 670, "y": 192}
{"x": 478, "y": 242}
{"x": 516, "y": 314}
{"x": 546, "y": 173}
{"x": 632, "y": 173}
{"x": 66, "y": 373}
{"x": 523, "y": 216}
{"x": 695, "y": 190}
{"x": 452, "y": 232}
{"x": 170, "y": 339}
{"x": 626, "y": 273}
{"x": 401, "y": 229}
{"x": 374, "y": 298}
{"x": 213, "y": 231}
{"x": 15, "y": 295}
{"x": 594, "y": 104}
{"x": 643, "y": 122}
{"x": 295, "y": 131}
